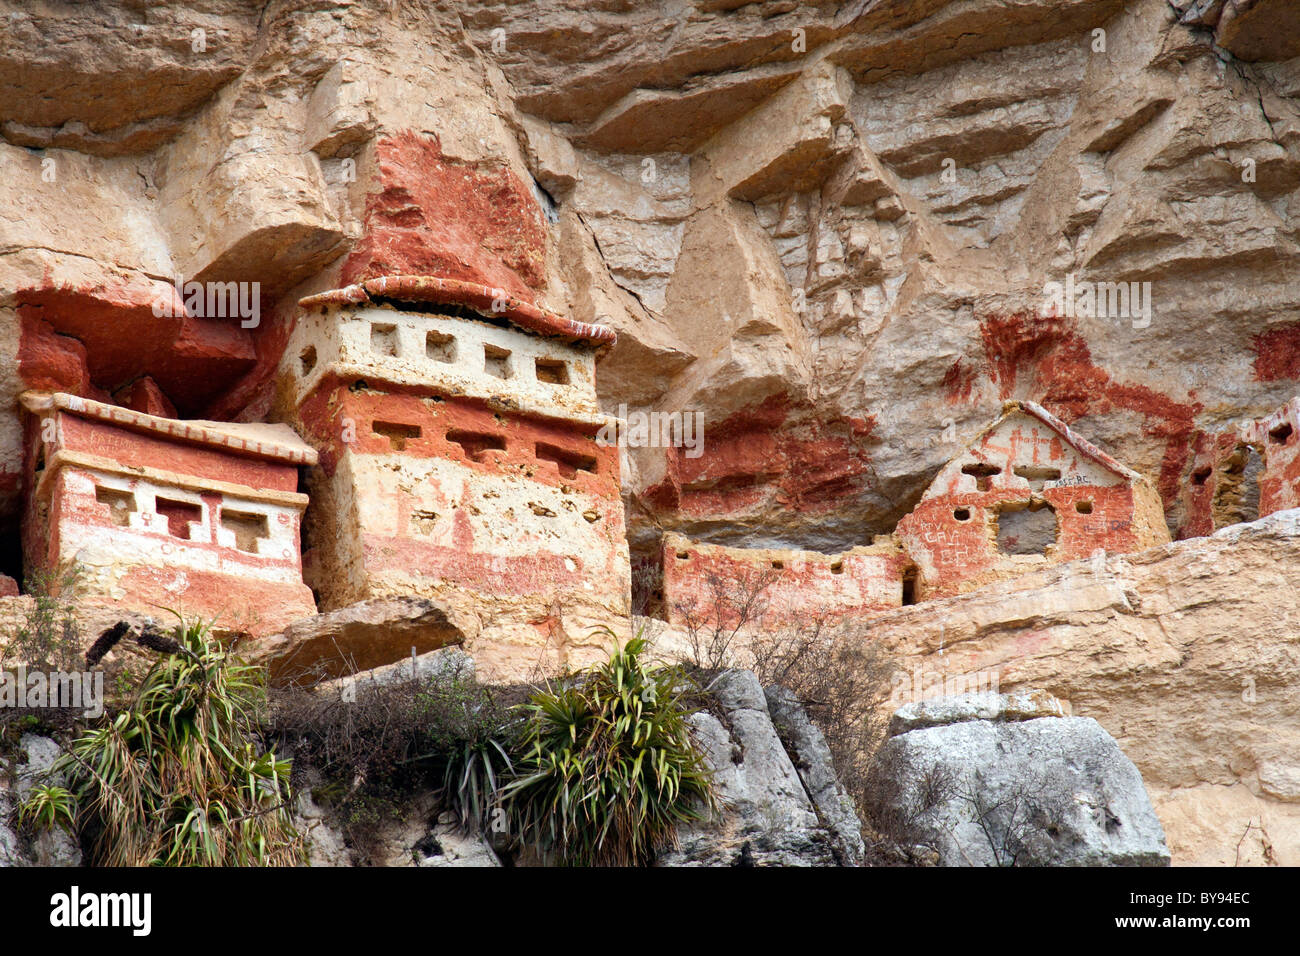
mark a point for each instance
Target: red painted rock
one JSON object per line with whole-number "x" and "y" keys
{"x": 435, "y": 216}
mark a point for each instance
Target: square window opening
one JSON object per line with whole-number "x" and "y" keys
{"x": 496, "y": 362}
{"x": 440, "y": 347}
{"x": 248, "y": 527}
{"x": 120, "y": 504}
{"x": 552, "y": 371}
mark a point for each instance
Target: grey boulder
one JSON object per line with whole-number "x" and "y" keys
{"x": 1045, "y": 791}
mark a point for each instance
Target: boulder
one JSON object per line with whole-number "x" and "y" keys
{"x": 54, "y": 847}
{"x": 360, "y": 637}
{"x": 1041, "y": 791}
{"x": 959, "y": 708}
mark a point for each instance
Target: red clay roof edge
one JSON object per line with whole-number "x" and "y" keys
{"x": 481, "y": 298}
{"x": 1077, "y": 442}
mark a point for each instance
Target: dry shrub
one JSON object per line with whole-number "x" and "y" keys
{"x": 378, "y": 746}
{"x": 839, "y": 673}
{"x": 48, "y": 638}
{"x": 843, "y": 679}
{"x": 713, "y": 627}
{"x": 895, "y": 816}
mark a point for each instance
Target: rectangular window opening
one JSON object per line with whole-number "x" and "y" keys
{"x": 476, "y": 443}
{"x": 496, "y": 361}
{"x": 440, "y": 347}
{"x": 570, "y": 463}
{"x": 1026, "y": 527}
{"x": 120, "y": 504}
{"x": 248, "y": 527}
{"x": 383, "y": 339}
{"x": 397, "y": 433}
{"x": 179, "y": 515}
{"x": 909, "y": 587}
{"x": 552, "y": 371}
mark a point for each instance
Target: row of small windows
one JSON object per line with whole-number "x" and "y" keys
{"x": 441, "y": 347}
{"x": 1036, "y": 476}
{"x": 1084, "y": 507}
{"x": 836, "y": 567}
{"x": 247, "y": 527}
{"x": 476, "y": 444}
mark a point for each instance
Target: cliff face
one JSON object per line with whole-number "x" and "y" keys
{"x": 826, "y": 227}
{"x": 1186, "y": 654}
{"x": 841, "y": 233}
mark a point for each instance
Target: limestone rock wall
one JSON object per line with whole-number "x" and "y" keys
{"x": 1187, "y": 654}
{"x": 825, "y": 226}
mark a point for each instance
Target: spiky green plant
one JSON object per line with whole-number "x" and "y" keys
{"x": 175, "y": 778}
{"x": 608, "y": 768}
{"x": 467, "y": 732}
{"x": 472, "y": 777}
{"x": 48, "y": 806}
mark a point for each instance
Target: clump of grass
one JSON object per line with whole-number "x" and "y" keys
{"x": 176, "y": 778}
{"x": 607, "y": 768}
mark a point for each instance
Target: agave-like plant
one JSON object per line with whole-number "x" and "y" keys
{"x": 469, "y": 733}
{"x": 48, "y": 806}
{"x": 608, "y": 768}
{"x": 175, "y": 779}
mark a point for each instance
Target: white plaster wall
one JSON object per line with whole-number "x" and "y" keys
{"x": 108, "y": 552}
{"x": 342, "y": 339}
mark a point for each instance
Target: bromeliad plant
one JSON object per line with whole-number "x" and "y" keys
{"x": 607, "y": 767}
{"x": 175, "y": 779}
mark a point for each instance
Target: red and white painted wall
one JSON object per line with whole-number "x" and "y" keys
{"x": 458, "y": 458}
{"x": 1026, "y": 493}
{"x": 706, "y": 584}
{"x": 1243, "y": 472}
{"x": 198, "y": 517}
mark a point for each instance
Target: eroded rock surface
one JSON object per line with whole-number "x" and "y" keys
{"x": 1043, "y": 791}
{"x": 828, "y": 227}
{"x": 779, "y": 807}
{"x": 1188, "y": 655}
